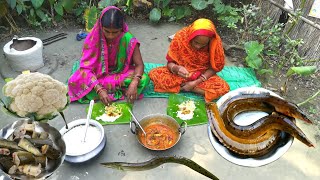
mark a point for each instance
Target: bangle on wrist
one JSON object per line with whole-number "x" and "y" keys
{"x": 138, "y": 76}
{"x": 203, "y": 77}
{"x": 99, "y": 90}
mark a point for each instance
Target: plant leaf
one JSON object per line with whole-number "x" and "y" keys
{"x": 155, "y": 15}
{"x": 68, "y": 5}
{"x": 90, "y": 16}
{"x": 104, "y": 3}
{"x": 51, "y": 2}
{"x": 265, "y": 71}
{"x": 180, "y": 12}
{"x": 302, "y": 70}
{"x": 199, "y": 4}
{"x": 165, "y": 3}
{"x": 253, "y": 48}
{"x": 12, "y": 3}
{"x": 210, "y": 2}
{"x": 19, "y": 9}
{"x": 58, "y": 8}
{"x": 40, "y": 14}
{"x": 167, "y": 11}
{"x": 37, "y": 3}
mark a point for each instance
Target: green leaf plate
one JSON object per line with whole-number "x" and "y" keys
{"x": 98, "y": 110}
{"x": 200, "y": 114}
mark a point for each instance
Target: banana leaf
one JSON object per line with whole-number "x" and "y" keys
{"x": 99, "y": 108}
{"x": 200, "y": 115}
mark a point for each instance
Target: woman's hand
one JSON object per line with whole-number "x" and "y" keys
{"x": 132, "y": 92}
{"x": 104, "y": 97}
{"x": 182, "y": 71}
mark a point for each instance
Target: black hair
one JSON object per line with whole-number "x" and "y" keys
{"x": 113, "y": 18}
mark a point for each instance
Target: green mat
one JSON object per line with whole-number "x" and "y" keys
{"x": 199, "y": 116}
{"x": 236, "y": 77}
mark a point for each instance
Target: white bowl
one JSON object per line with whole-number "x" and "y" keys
{"x": 78, "y": 155}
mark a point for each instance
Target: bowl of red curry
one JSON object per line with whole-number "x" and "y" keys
{"x": 162, "y": 131}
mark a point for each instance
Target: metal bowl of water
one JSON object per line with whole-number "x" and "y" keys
{"x": 53, "y": 135}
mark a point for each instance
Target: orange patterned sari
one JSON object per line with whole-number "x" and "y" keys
{"x": 182, "y": 53}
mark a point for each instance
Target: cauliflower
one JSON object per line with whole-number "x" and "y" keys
{"x": 36, "y": 95}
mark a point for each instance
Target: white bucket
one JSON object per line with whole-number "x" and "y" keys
{"x": 30, "y": 59}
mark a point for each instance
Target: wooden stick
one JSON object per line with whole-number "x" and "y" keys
{"x": 313, "y": 24}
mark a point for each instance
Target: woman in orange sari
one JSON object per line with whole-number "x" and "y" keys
{"x": 195, "y": 56}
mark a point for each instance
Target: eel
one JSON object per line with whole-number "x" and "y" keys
{"x": 241, "y": 146}
{"x": 9, "y": 144}
{"x": 282, "y": 116}
{"x": 155, "y": 162}
{"x": 28, "y": 146}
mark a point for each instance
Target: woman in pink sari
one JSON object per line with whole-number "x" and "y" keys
{"x": 111, "y": 66}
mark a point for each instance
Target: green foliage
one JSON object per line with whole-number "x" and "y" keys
{"x": 253, "y": 50}
{"x": 37, "y": 3}
{"x": 302, "y": 70}
{"x": 180, "y": 12}
{"x": 90, "y": 17}
{"x": 155, "y": 15}
{"x": 59, "y": 8}
{"x": 278, "y": 49}
{"x": 104, "y": 3}
{"x": 312, "y": 110}
{"x": 12, "y": 3}
{"x": 199, "y": 4}
{"x": 226, "y": 14}
{"x": 162, "y": 9}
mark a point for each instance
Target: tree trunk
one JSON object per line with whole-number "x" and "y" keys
{"x": 310, "y": 35}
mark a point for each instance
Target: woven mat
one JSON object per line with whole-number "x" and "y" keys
{"x": 236, "y": 77}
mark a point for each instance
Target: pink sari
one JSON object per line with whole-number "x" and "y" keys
{"x": 97, "y": 60}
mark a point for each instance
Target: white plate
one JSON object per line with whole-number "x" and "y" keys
{"x": 283, "y": 146}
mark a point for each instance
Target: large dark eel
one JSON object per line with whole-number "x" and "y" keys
{"x": 243, "y": 146}
{"x": 155, "y": 162}
{"x": 282, "y": 117}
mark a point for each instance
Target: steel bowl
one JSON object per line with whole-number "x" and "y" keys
{"x": 79, "y": 157}
{"x": 54, "y": 135}
{"x": 159, "y": 119}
